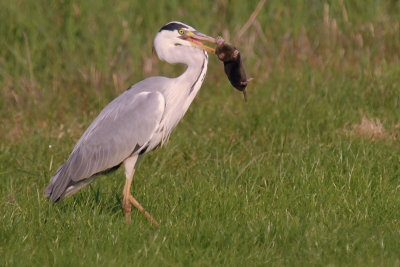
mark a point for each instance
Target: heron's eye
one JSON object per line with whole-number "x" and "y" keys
{"x": 181, "y": 31}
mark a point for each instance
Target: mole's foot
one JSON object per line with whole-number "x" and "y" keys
{"x": 220, "y": 41}
{"x": 235, "y": 53}
{"x": 247, "y": 81}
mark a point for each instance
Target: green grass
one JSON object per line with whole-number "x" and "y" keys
{"x": 285, "y": 179}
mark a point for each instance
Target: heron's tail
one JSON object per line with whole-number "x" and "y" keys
{"x": 57, "y": 185}
{"x": 61, "y": 185}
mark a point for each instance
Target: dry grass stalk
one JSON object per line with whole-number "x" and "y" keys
{"x": 370, "y": 128}
{"x": 250, "y": 21}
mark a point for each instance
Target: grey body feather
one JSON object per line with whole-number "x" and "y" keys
{"x": 127, "y": 124}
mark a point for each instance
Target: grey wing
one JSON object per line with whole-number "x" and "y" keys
{"x": 122, "y": 128}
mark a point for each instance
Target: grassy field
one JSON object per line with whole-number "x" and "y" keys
{"x": 305, "y": 173}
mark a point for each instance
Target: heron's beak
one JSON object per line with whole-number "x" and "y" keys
{"x": 197, "y": 39}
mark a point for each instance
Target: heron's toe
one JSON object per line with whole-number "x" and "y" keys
{"x": 127, "y": 208}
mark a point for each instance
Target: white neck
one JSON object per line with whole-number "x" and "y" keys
{"x": 185, "y": 87}
{"x": 192, "y": 79}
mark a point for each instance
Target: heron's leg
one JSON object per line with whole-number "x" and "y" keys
{"x": 126, "y": 205}
{"x": 141, "y": 209}
{"x": 128, "y": 198}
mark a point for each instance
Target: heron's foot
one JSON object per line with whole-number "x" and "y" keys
{"x": 127, "y": 208}
{"x": 129, "y": 199}
{"x": 142, "y": 210}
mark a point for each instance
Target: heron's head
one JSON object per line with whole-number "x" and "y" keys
{"x": 177, "y": 40}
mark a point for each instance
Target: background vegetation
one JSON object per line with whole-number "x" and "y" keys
{"x": 305, "y": 173}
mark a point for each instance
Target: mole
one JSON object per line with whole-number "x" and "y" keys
{"x": 233, "y": 65}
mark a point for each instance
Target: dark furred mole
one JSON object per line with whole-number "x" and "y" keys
{"x": 233, "y": 65}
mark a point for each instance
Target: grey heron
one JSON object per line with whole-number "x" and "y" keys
{"x": 139, "y": 120}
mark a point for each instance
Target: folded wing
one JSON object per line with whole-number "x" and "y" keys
{"x": 124, "y": 126}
